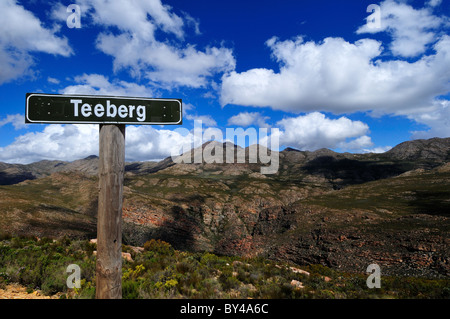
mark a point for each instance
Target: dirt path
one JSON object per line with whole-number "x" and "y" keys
{"x": 16, "y": 291}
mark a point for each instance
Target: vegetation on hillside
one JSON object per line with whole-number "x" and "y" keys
{"x": 160, "y": 271}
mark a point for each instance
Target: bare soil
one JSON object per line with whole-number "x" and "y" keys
{"x": 16, "y": 291}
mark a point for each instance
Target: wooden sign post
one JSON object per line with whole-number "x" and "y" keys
{"x": 112, "y": 113}
{"x": 109, "y": 220}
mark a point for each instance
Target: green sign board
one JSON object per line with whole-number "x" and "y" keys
{"x": 95, "y": 109}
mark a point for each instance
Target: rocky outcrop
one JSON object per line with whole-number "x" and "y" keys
{"x": 351, "y": 248}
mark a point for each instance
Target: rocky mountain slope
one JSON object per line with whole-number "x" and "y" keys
{"x": 342, "y": 210}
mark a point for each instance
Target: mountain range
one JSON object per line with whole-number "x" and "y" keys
{"x": 342, "y": 210}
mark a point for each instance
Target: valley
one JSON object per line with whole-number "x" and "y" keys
{"x": 344, "y": 211}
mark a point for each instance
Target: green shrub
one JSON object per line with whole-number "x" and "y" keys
{"x": 184, "y": 267}
{"x": 158, "y": 246}
{"x": 44, "y": 240}
{"x": 133, "y": 274}
{"x": 276, "y": 289}
{"x": 209, "y": 259}
{"x": 228, "y": 282}
{"x": 130, "y": 289}
{"x": 51, "y": 285}
{"x": 3, "y": 281}
{"x": 321, "y": 270}
{"x": 87, "y": 290}
{"x": 65, "y": 241}
{"x": 162, "y": 272}
{"x": 209, "y": 288}
{"x": 5, "y": 236}
{"x": 16, "y": 243}
{"x": 191, "y": 280}
{"x": 89, "y": 248}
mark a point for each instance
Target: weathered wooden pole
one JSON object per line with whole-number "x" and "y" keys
{"x": 109, "y": 220}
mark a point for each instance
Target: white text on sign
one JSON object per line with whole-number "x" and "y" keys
{"x": 111, "y": 110}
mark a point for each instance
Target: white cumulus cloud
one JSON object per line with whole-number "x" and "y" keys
{"x": 367, "y": 75}
{"x": 438, "y": 121}
{"x": 314, "y": 131}
{"x": 434, "y": 3}
{"x": 76, "y": 141}
{"x": 54, "y": 142}
{"x": 246, "y": 119}
{"x": 97, "y": 84}
{"x": 22, "y": 33}
{"x": 412, "y": 30}
{"x": 341, "y": 77}
{"x": 17, "y": 120}
{"x": 129, "y": 38}
{"x": 203, "y": 119}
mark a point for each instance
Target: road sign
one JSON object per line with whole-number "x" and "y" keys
{"x": 95, "y": 109}
{"x": 112, "y": 113}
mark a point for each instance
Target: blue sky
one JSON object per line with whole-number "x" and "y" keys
{"x": 320, "y": 71}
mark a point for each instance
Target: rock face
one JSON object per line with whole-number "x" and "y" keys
{"x": 344, "y": 211}
{"x": 327, "y": 241}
